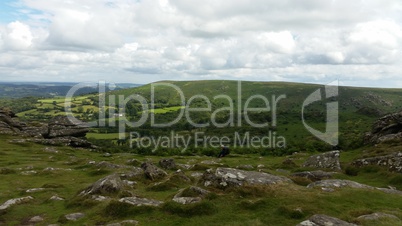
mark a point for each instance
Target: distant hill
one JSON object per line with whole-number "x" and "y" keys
{"x": 47, "y": 89}
{"x": 358, "y": 108}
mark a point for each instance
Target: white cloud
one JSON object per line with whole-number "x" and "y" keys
{"x": 144, "y": 41}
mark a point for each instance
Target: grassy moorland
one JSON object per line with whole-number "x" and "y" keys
{"x": 224, "y": 103}
{"x": 64, "y": 172}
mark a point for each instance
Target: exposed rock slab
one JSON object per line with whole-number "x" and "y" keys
{"x": 327, "y": 160}
{"x": 335, "y": 183}
{"x": 393, "y": 161}
{"x": 199, "y": 194}
{"x": 15, "y": 201}
{"x": 314, "y": 175}
{"x": 224, "y": 177}
{"x": 324, "y": 220}
{"x": 136, "y": 201}
{"x": 377, "y": 216}
{"x": 386, "y": 128}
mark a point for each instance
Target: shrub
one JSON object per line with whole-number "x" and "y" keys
{"x": 294, "y": 213}
{"x": 117, "y": 209}
{"x": 195, "y": 209}
{"x": 302, "y": 181}
{"x": 6, "y": 171}
{"x": 351, "y": 170}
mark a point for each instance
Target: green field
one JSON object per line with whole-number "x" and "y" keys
{"x": 250, "y": 205}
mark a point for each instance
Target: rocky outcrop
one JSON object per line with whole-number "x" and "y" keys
{"x": 61, "y": 126}
{"x": 7, "y": 123}
{"x": 324, "y": 220}
{"x": 393, "y": 161}
{"x": 60, "y": 131}
{"x": 314, "y": 175}
{"x": 336, "y": 183}
{"x": 136, "y": 201}
{"x": 152, "y": 172}
{"x": 111, "y": 184}
{"x": 167, "y": 164}
{"x": 229, "y": 177}
{"x": 387, "y": 128}
{"x": 190, "y": 195}
{"x": 327, "y": 160}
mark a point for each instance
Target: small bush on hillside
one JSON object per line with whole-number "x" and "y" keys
{"x": 117, "y": 209}
{"x": 302, "y": 181}
{"x": 190, "y": 210}
{"x": 351, "y": 170}
{"x": 294, "y": 213}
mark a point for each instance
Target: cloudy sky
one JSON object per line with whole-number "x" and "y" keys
{"x": 358, "y": 42}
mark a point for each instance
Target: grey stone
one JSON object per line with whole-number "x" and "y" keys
{"x": 74, "y": 216}
{"x": 386, "y": 128}
{"x": 33, "y": 190}
{"x": 152, "y": 172}
{"x": 327, "y": 160}
{"x": 15, "y": 201}
{"x": 224, "y": 177}
{"x": 167, "y": 164}
{"x": 377, "y": 216}
{"x": 245, "y": 167}
{"x": 324, "y": 220}
{"x": 56, "y": 198}
{"x": 36, "y": 219}
{"x": 393, "y": 161}
{"x": 61, "y": 126}
{"x": 107, "y": 185}
{"x": 314, "y": 175}
{"x": 200, "y": 193}
{"x": 335, "y": 183}
{"x": 136, "y": 201}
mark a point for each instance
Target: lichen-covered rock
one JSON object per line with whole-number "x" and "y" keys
{"x": 167, "y": 163}
{"x": 327, "y": 160}
{"x": 324, "y": 220}
{"x": 104, "y": 186}
{"x": 393, "y": 161}
{"x": 197, "y": 195}
{"x": 224, "y": 177}
{"x": 152, "y": 172}
{"x": 386, "y": 128}
{"x": 335, "y": 183}
{"x": 61, "y": 126}
{"x": 314, "y": 175}
{"x": 136, "y": 201}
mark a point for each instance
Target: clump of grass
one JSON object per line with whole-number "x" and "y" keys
{"x": 302, "y": 181}
{"x": 80, "y": 201}
{"x": 7, "y": 171}
{"x": 371, "y": 169}
{"x": 396, "y": 181}
{"x": 117, "y": 209}
{"x": 254, "y": 191}
{"x": 196, "y": 209}
{"x": 163, "y": 186}
{"x": 98, "y": 172}
{"x": 252, "y": 205}
{"x": 200, "y": 167}
{"x": 52, "y": 185}
{"x": 293, "y": 213}
{"x": 352, "y": 170}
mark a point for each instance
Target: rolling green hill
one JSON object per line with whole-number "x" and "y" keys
{"x": 222, "y": 108}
